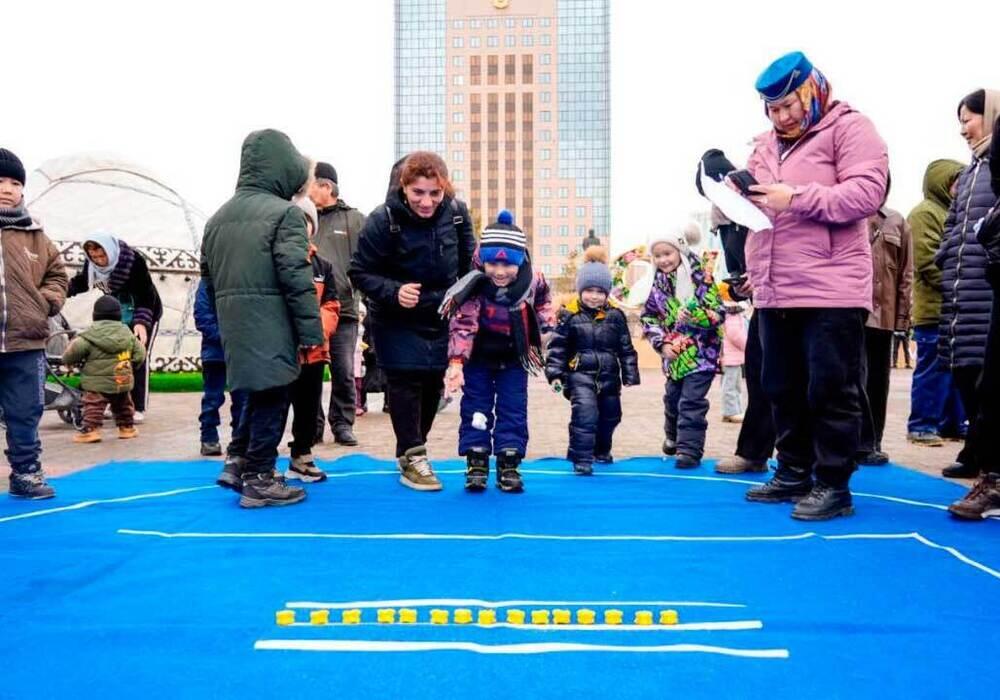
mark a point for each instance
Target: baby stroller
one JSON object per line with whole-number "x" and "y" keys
{"x": 66, "y": 401}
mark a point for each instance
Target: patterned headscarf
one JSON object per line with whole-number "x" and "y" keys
{"x": 814, "y": 94}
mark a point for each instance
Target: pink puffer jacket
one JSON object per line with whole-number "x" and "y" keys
{"x": 818, "y": 253}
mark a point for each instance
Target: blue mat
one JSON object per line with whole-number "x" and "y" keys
{"x": 141, "y": 580}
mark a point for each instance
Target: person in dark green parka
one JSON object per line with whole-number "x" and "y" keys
{"x": 255, "y": 263}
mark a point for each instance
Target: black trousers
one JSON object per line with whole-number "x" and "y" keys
{"x": 685, "y": 407}
{"x": 593, "y": 419}
{"x": 987, "y": 422}
{"x": 342, "y": 389}
{"x": 812, "y": 374}
{"x": 260, "y": 429}
{"x": 967, "y": 381}
{"x": 413, "y": 404}
{"x": 875, "y": 380}
{"x": 904, "y": 343}
{"x": 306, "y": 393}
{"x": 756, "y": 441}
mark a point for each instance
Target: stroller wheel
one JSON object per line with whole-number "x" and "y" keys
{"x": 72, "y": 416}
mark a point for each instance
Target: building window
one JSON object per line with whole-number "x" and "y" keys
{"x": 563, "y": 193}
{"x": 545, "y": 22}
{"x": 457, "y": 61}
{"x": 546, "y": 269}
{"x": 458, "y": 24}
{"x": 546, "y": 59}
{"x": 546, "y": 231}
{"x": 457, "y": 42}
{"x": 581, "y": 230}
{"x": 546, "y": 116}
{"x": 545, "y": 97}
{"x": 527, "y": 69}
{"x": 546, "y": 193}
{"x": 581, "y": 212}
{"x": 510, "y": 23}
{"x": 527, "y": 23}
{"x": 475, "y": 42}
{"x": 491, "y": 24}
{"x": 564, "y": 231}
{"x": 546, "y": 40}
{"x": 544, "y": 135}
{"x": 458, "y": 156}
{"x": 545, "y": 78}
{"x": 474, "y": 24}
{"x": 458, "y": 99}
{"x": 458, "y": 80}
{"x": 546, "y": 154}
{"x": 458, "y": 136}
{"x": 546, "y": 250}
{"x": 563, "y": 249}
{"x": 546, "y": 174}
{"x": 546, "y": 212}
{"x": 527, "y": 40}
{"x": 563, "y": 212}
{"x": 457, "y": 175}
{"x": 492, "y": 41}
{"x": 457, "y": 118}
{"x": 510, "y": 40}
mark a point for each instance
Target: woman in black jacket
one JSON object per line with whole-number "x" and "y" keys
{"x": 412, "y": 249}
{"x": 967, "y": 297}
{"x": 119, "y": 270}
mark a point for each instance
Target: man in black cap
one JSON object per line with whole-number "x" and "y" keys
{"x": 337, "y": 239}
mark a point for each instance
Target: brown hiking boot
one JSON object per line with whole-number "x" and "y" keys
{"x": 127, "y": 433}
{"x": 982, "y": 501}
{"x": 416, "y": 471}
{"x": 87, "y": 437}
{"x": 740, "y": 465}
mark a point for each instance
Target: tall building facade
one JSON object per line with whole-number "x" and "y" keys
{"x": 514, "y": 94}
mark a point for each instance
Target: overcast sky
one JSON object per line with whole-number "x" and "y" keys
{"x": 176, "y": 86}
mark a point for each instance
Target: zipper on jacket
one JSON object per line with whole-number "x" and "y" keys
{"x": 3, "y": 295}
{"x": 958, "y": 264}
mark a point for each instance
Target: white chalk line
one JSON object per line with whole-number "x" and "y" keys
{"x": 728, "y": 626}
{"x": 558, "y": 538}
{"x": 359, "y": 645}
{"x": 87, "y": 504}
{"x": 494, "y": 604}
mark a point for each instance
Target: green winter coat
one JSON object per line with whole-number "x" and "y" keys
{"x": 107, "y": 350}
{"x": 927, "y": 223}
{"x": 255, "y": 259}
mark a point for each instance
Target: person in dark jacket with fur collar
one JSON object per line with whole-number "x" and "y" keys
{"x": 967, "y": 296}
{"x": 412, "y": 250}
{"x": 590, "y": 357}
{"x": 983, "y": 499}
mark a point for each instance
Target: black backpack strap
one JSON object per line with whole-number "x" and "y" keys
{"x": 457, "y": 219}
{"x": 393, "y": 226}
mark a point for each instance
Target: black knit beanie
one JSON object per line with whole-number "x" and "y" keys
{"x": 11, "y": 166}
{"x": 107, "y": 308}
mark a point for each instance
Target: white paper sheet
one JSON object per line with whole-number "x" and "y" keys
{"x": 736, "y": 208}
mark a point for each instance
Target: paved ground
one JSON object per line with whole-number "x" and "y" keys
{"x": 171, "y": 431}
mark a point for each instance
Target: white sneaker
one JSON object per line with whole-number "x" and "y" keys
{"x": 138, "y": 417}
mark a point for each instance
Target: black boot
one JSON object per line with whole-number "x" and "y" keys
{"x": 961, "y": 471}
{"x": 264, "y": 489}
{"x": 669, "y": 447}
{"x": 824, "y": 502}
{"x": 477, "y": 469}
{"x": 787, "y": 485}
{"x": 508, "y": 476}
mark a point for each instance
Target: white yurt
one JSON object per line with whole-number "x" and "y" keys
{"x": 75, "y": 196}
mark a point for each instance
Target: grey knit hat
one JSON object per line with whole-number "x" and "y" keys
{"x": 595, "y": 271}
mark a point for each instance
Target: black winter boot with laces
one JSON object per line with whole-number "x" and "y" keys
{"x": 787, "y": 485}
{"x": 477, "y": 469}
{"x": 824, "y": 502}
{"x": 508, "y": 476}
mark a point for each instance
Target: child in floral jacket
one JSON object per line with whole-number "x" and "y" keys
{"x": 682, "y": 320}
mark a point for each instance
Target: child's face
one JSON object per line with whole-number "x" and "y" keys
{"x": 666, "y": 257}
{"x": 593, "y": 297}
{"x": 501, "y": 274}
{"x": 11, "y": 192}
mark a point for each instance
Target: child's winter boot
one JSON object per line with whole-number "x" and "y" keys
{"x": 477, "y": 469}
{"x": 508, "y": 476}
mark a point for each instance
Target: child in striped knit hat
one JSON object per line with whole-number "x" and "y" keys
{"x": 497, "y": 313}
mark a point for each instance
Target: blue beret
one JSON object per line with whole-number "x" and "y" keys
{"x": 783, "y": 76}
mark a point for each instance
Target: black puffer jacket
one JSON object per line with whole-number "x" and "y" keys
{"x": 591, "y": 347}
{"x": 398, "y": 247}
{"x": 966, "y": 294}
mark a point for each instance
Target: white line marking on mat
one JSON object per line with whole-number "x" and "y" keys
{"x": 88, "y": 504}
{"x": 360, "y": 645}
{"x": 560, "y": 538}
{"x": 732, "y": 626}
{"x": 476, "y": 603}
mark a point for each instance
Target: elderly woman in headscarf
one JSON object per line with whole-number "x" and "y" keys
{"x": 116, "y": 268}
{"x": 966, "y": 296}
{"x": 822, "y": 170}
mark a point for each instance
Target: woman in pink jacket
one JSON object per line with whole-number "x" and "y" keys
{"x": 822, "y": 171}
